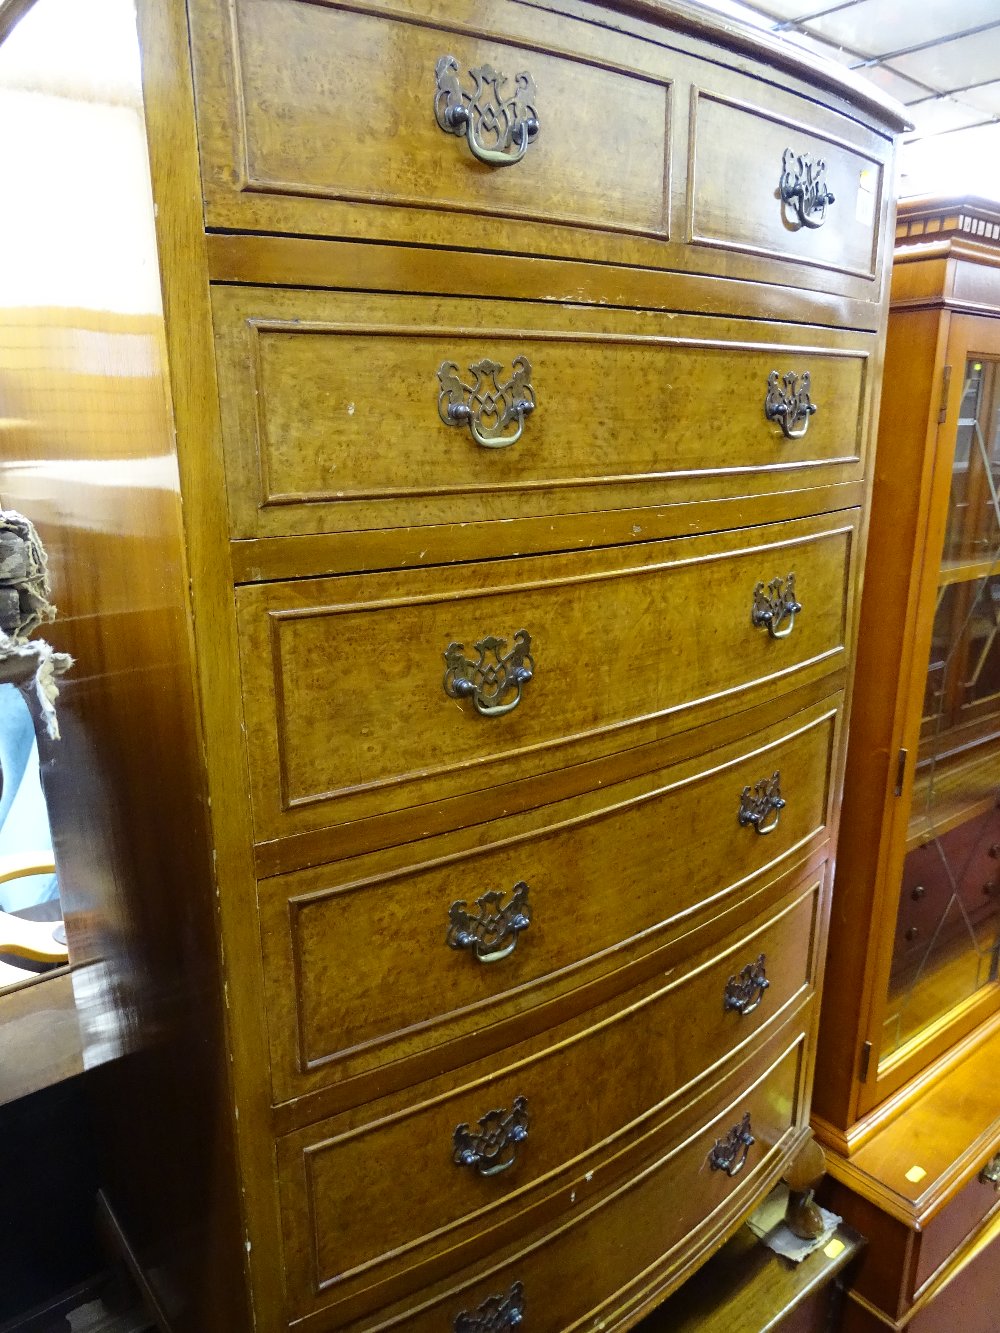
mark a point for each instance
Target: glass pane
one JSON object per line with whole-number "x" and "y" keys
{"x": 947, "y": 940}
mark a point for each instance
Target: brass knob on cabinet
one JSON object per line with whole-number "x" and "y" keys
{"x": 498, "y": 122}
{"x": 730, "y": 1153}
{"x": 761, "y": 806}
{"x": 990, "y": 1174}
{"x": 493, "y": 412}
{"x": 745, "y": 991}
{"x": 802, "y": 188}
{"x": 492, "y": 1146}
{"x": 787, "y": 402}
{"x": 494, "y": 1314}
{"x": 775, "y": 607}
{"x": 493, "y": 677}
{"x": 490, "y": 933}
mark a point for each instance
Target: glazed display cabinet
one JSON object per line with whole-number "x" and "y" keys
{"x": 910, "y": 1022}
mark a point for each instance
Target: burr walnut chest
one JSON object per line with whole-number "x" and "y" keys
{"x": 518, "y": 368}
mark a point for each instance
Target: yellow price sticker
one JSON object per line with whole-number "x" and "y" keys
{"x": 915, "y": 1175}
{"x": 834, "y": 1247}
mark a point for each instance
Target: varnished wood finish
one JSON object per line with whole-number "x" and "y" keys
{"x": 394, "y": 912}
{"x": 315, "y": 732}
{"x": 326, "y": 802}
{"x": 275, "y": 77}
{"x": 620, "y": 1093}
{"x": 646, "y": 1233}
{"x": 305, "y": 379}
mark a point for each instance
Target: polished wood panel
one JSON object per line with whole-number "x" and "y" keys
{"x": 686, "y": 1032}
{"x": 733, "y": 140}
{"x": 315, "y": 121}
{"x": 332, "y": 668}
{"x": 673, "y": 1144}
{"x": 688, "y": 856}
{"x": 628, "y": 410}
{"x": 309, "y": 81}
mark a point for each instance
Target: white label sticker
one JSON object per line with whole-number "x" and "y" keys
{"x": 865, "y": 211}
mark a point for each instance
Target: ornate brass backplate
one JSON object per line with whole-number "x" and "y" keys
{"x": 730, "y": 1154}
{"x": 761, "y": 806}
{"x": 497, "y": 121}
{"x": 775, "y": 605}
{"x": 788, "y": 403}
{"x": 491, "y": 932}
{"x": 495, "y": 1314}
{"x": 745, "y": 992}
{"x": 492, "y": 1147}
{"x": 493, "y": 412}
{"x": 803, "y": 188}
{"x": 493, "y": 676}
{"x": 990, "y": 1174}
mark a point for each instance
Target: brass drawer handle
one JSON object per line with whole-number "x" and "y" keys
{"x": 990, "y": 1174}
{"x": 497, "y": 123}
{"x": 487, "y": 407}
{"x": 492, "y": 1147}
{"x": 759, "y": 804}
{"x": 730, "y": 1154}
{"x": 491, "y": 933}
{"x": 788, "y": 403}
{"x": 773, "y": 605}
{"x": 495, "y": 1314}
{"x": 493, "y": 676}
{"x": 803, "y": 187}
{"x": 745, "y": 992}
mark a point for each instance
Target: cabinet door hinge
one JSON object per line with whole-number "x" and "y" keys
{"x": 900, "y": 771}
{"x": 945, "y": 386}
{"x": 866, "y": 1059}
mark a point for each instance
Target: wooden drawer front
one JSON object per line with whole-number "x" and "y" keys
{"x": 951, "y": 1228}
{"x": 735, "y": 141}
{"x": 331, "y": 1018}
{"x": 339, "y": 104}
{"x": 345, "y": 678}
{"x": 657, "y": 1216}
{"x": 330, "y": 409}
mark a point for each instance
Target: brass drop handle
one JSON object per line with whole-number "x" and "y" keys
{"x": 802, "y": 187}
{"x": 775, "y": 607}
{"x": 745, "y": 991}
{"x": 492, "y": 1146}
{"x": 494, "y": 679}
{"x": 730, "y": 1153}
{"x": 494, "y": 1314}
{"x": 990, "y": 1174}
{"x": 490, "y": 933}
{"x": 787, "y": 402}
{"x": 497, "y": 122}
{"x": 761, "y": 806}
{"x": 493, "y": 412}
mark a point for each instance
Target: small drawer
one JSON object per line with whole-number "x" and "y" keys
{"x": 802, "y": 195}
{"x": 350, "y": 107}
{"x": 344, "y": 412}
{"x": 459, "y": 941}
{"x": 375, "y": 693}
{"x": 949, "y": 1229}
{"x": 624, "y": 1225}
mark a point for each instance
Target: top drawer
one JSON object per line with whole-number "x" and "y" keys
{"x": 519, "y": 131}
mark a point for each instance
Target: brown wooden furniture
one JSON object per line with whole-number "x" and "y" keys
{"x": 905, "y": 1094}
{"x": 515, "y": 457}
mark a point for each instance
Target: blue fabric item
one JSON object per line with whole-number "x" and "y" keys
{"x": 24, "y": 820}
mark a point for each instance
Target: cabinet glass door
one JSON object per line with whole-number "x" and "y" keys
{"x": 947, "y": 940}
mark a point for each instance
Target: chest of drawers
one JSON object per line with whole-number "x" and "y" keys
{"x": 521, "y": 365}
